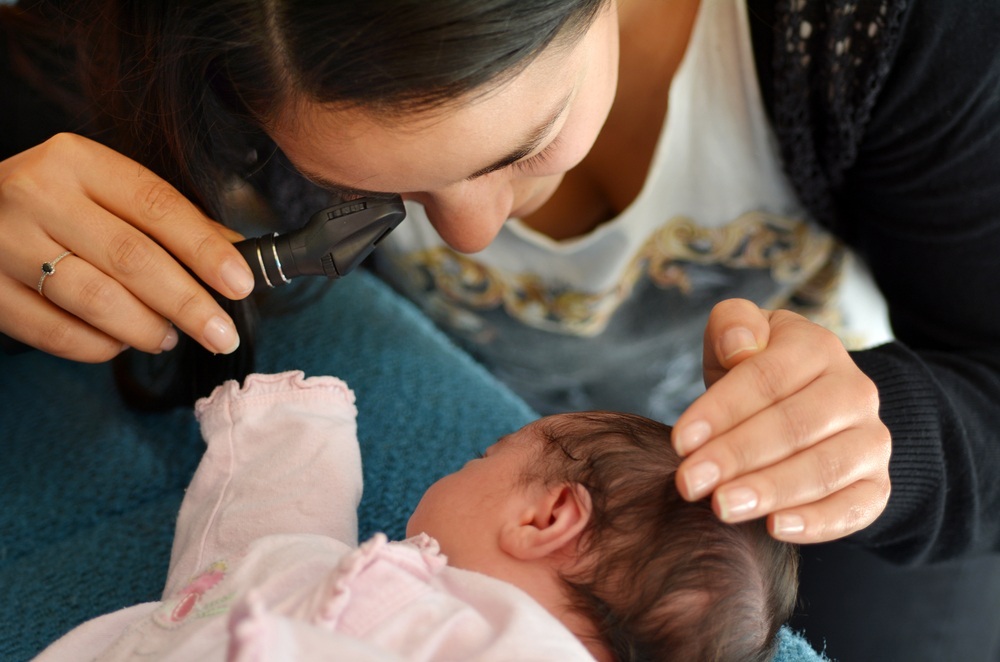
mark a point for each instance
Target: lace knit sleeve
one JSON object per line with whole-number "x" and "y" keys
{"x": 888, "y": 114}
{"x": 830, "y": 62}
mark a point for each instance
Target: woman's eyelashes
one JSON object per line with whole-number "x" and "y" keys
{"x": 538, "y": 160}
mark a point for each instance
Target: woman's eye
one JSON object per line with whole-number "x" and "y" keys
{"x": 539, "y": 159}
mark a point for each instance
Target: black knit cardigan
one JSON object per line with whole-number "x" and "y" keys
{"x": 888, "y": 117}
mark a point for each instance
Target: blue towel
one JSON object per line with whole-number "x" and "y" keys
{"x": 89, "y": 491}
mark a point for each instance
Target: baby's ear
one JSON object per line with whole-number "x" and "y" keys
{"x": 551, "y": 520}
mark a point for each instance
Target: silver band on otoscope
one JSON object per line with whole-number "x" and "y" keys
{"x": 49, "y": 269}
{"x": 277, "y": 260}
{"x": 263, "y": 269}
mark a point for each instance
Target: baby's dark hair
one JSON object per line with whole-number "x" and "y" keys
{"x": 663, "y": 578}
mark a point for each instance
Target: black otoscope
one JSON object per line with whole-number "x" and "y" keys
{"x": 331, "y": 244}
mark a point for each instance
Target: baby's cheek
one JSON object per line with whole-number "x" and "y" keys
{"x": 409, "y": 527}
{"x": 422, "y": 518}
{"x": 413, "y": 525}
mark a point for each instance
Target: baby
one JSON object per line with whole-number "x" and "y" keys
{"x": 565, "y": 541}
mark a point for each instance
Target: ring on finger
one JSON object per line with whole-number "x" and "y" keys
{"x": 49, "y": 269}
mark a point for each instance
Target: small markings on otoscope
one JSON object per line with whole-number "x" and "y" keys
{"x": 343, "y": 210}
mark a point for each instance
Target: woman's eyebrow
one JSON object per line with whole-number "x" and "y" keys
{"x": 344, "y": 189}
{"x": 529, "y": 144}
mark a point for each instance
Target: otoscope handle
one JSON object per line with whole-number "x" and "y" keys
{"x": 332, "y": 243}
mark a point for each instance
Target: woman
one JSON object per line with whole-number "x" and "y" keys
{"x": 887, "y": 132}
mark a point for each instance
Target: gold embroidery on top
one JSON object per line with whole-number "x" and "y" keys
{"x": 789, "y": 248}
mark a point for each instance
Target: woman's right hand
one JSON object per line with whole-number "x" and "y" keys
{"x": 123, "y": 285}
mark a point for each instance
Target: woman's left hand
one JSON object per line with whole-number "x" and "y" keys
{"x": 788, "y": 428}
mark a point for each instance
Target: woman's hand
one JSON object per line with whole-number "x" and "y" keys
{"x": 788, "y": 428}
{"x": 122, "y": 285}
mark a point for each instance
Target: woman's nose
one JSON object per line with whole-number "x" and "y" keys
{"x": 468, "y": 215}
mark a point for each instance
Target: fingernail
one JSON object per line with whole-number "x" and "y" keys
{"x": 221, "y": 335}
{"x": 737, "y": 501}
{"x": 237, "y": 276}
{"x": 701, "y": 478}
{"x": 169, "y": 340}
{"x": 788, "y": 525}
{"x": 735, "y": 341}
{"x": 692, "y": 436}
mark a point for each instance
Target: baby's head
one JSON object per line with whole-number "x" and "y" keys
{"x": 580, "y": 511}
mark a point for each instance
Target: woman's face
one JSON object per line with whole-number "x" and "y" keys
{"x": 476, "y": 163}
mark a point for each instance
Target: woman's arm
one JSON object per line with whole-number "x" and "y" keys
{"x": 922, "y": 205}
{"x": 893, "y": 139}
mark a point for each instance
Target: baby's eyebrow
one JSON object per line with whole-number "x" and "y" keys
{"x": 498, "y": 441}
{"x": 505, "y": 437}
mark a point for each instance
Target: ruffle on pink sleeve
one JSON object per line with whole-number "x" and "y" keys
{"x": 268, "y": 386}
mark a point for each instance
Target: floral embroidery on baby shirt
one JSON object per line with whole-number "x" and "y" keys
{"x": 190, "y": 601}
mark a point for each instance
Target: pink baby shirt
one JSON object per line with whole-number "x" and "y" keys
{"x": 265, "y": 563}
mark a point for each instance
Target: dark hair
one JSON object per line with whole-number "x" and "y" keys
{"x": 189, "y": 87}
{"x": 663, "y": 578}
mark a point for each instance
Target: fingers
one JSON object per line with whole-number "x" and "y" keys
{"x": 139, "y": 272}
{"x": 788, "y": 427}
{"x": 841, "y": 514}
{"x": 760, "y": 379}
{"x": 88, "y": 294}
{"x": 130, "y": 233}
{"x": 51, "y": 329}
{"x": 736, "y": 329}
{"x": 130, "y": 191}
{"x": 790, "y": 430}
{"x": 839, "y": 487}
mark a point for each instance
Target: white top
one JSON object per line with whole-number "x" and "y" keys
{"x": 614, "y": 319}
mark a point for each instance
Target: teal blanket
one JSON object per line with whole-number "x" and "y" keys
{"x": 89, "y": 491}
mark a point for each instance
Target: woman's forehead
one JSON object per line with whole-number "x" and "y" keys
{"x": 421, "y": 150}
